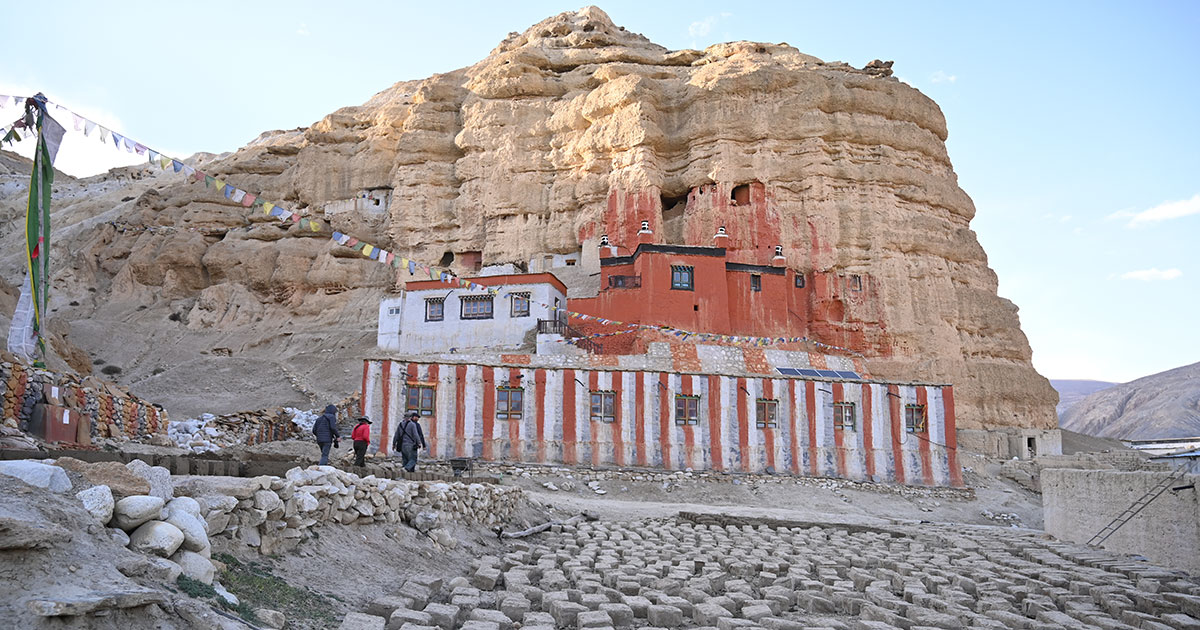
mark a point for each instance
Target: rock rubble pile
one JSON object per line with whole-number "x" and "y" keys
{"x": 210, "y": 433}
{"x": 275, "y": 514}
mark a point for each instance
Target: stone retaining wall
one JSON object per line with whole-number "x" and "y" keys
{"x": 1080, "y": 503}
{"x": 276, "y": 513}
{"x": 113, "y": 413}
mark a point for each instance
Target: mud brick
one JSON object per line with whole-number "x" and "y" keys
{"x": 664, "y": 616}
{"x": 444, "y": 616}
{"x": 565, "y": 612}
{"x": 360, "y": 621}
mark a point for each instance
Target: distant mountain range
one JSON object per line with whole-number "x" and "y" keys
{"x": 1072, "y": 391}
{"x": 1161, "y": 405}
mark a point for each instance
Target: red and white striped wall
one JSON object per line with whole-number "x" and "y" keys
{"x": 556, "y": 427}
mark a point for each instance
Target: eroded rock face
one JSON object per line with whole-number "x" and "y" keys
{"x": 577, "y": 128}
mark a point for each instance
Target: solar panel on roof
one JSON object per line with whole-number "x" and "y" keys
{"x": 848, "y": 374}
{"x": 804, "y": 372}
{"x": 828, "y": 373}
{"x": 789, "y": 371}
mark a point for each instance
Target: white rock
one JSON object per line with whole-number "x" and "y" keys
{"x": 158, "y": 477}
{"x": 37, "y": 474}
{"x": 195, "y": 566}
{"x": 131, "y": 512}
{"x": 225, "y": 595}
{"x": 98, "y": 501}
{"x": 267, "y": 501}
{"x": 222, "y": 502}
{"x": 157, "y": 538}
{"x": 187, "y": 505}
{"x": 305, "y": 502}
{"x": 195, "y": 537}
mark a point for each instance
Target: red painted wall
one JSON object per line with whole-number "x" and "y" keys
{"x": 826, "y": 309}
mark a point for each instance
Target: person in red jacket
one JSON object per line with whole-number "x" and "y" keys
{"x": 362, "y": 438}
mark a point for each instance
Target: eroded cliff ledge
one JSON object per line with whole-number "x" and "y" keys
{"x": 577, "y": 128}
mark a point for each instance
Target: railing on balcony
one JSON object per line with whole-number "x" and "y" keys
{"x": 624, "y": 282}
{"x": 559, "y": 326}
{"x": 552, "y": 327}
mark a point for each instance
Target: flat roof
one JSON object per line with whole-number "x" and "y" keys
{"x": 655, "y": 248}
{"x": 490, "y": 281}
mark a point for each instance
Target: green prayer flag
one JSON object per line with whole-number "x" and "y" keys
{"x": 27, "y": 326}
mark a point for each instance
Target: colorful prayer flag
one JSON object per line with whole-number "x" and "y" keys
{"x": 25, "y": 336}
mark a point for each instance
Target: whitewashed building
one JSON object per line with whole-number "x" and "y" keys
{"x": 434, "y": 317}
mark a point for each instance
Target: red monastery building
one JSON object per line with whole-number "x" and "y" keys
{"x": 566, "y": 361}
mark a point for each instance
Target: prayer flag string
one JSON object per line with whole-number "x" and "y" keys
{"x": 373, "y": 252}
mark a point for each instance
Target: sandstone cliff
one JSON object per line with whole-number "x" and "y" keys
{"x": 574, "y": 128}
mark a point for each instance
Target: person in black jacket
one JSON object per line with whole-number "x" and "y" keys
{"x": 409, "y": 437}
{"x": 326, "y": 430}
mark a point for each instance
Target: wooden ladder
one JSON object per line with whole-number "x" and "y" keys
{"x": 1139, "y": 505}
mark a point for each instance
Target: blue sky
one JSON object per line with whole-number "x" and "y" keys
{"x": 1074, "y": 125}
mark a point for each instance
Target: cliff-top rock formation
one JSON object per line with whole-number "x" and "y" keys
{"x": 572, "y": 129}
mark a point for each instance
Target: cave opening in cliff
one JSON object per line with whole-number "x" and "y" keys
{"x": 672, "y": 219}
{"x": 447, "y": 259}
{"x": 740, "y": 195}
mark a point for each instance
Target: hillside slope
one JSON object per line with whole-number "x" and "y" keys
{"x": 1162, "y": 405}
{"x": 1071, "y": 391}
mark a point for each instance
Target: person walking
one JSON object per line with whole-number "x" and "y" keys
{"x": 326, "y": 430}
{"x": 362, "y": 438}
{"x": 409, "y": 437}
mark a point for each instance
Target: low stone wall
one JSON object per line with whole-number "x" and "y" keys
{"x": 276, "y": 513}
{"x": 1027, "y": 473}
{"x": 113, "y": 412}
{"x": 590, "y": 477}
{"x": 1079, "y": 503}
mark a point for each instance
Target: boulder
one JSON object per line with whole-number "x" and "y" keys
{"x": 195, "y": 565}
{"x": 224, "y": 594}
{"x": 219, "y": 502}
{"x": 195, "y": 536}
{"x": 425, "y": 520}
{"x": 119, "y": 536}
{"x": 151, "y": 567}
{"x": 98, "y": 501}
{"x": 157, "y": 538}
{"x": 131, "y": 512}
{"x": 187, "y": 505}
{"x": 267, "y": 501}
{"x": 305, "y": 502}
{"x": 236, "y": 487}
{"x": 270, "y": 618}
{"x": 46, "y": 476}
{"x": 115, "y": 475}
{"x": 158, "y": 477}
